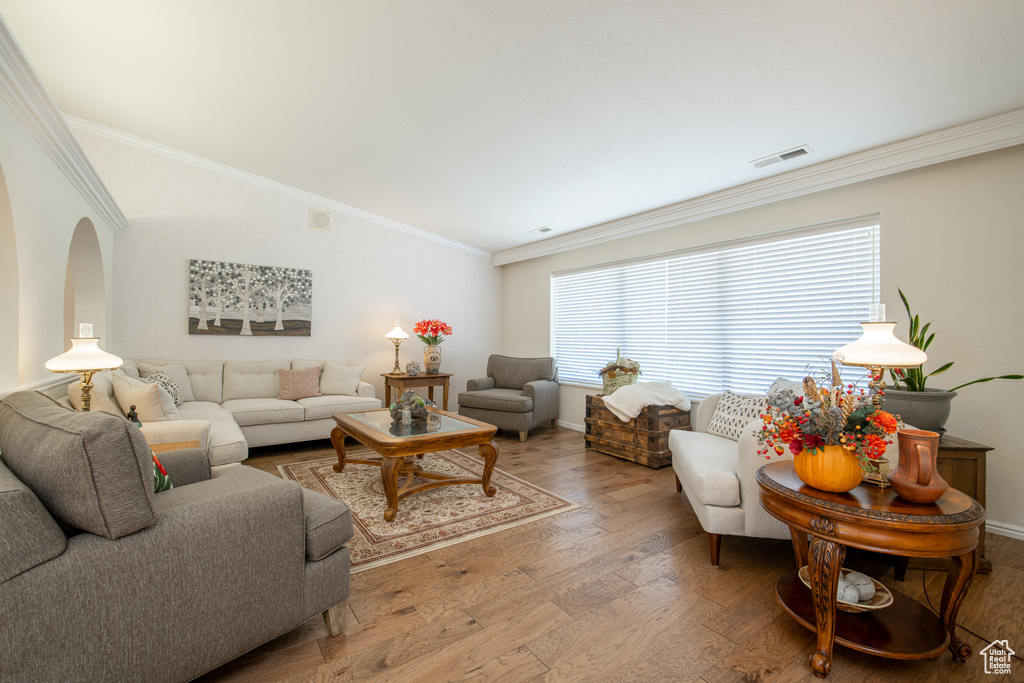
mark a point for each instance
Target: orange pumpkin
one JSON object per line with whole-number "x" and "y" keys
{"x": 832, "y": 468}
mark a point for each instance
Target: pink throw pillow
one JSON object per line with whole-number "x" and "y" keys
{"x": 296, "y": 384}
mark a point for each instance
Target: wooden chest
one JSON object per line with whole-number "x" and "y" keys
{"x": 643, "y": 440}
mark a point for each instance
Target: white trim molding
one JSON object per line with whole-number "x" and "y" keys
{"x": 260, "y": 181}
{"x": 986, "y": 135}
{"x": 1008, "y": 530}
{"x": 21, "y": 88}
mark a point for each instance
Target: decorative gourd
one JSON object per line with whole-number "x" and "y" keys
{"x": 830, "y": 468}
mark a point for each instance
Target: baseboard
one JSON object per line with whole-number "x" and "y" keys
{"x": 570, "y": 425}
{"x": 1008, "y": 530}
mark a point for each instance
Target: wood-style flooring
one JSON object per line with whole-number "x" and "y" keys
{"x": 620, "y": 590}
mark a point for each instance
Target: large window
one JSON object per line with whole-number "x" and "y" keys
{"x": 730, "y": 316}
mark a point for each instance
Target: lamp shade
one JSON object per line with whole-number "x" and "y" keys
{"x": 396, "y": 333}
{"x": 84, "y": 355}
{"x": 878, "y": 347}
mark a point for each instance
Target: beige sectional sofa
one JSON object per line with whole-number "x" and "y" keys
{"x": 230, "y": 406}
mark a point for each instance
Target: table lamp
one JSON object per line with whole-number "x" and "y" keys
{"x": 397, "y": 336}
{"x": 84, "y": 357}
{"x": 877, "y": 350}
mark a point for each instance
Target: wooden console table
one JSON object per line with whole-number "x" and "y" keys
{"x": 403, "y": 382}
{"x": 875, "y": 519}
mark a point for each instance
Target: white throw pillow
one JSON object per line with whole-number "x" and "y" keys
{"x": 781, "y": 384}
{"x": 176, "y": 372}
{"x": 340, "y": 380}
{"x": 151, "y": 401}
{"x": 163, "y": 379}
{"x": 733, "y": 413}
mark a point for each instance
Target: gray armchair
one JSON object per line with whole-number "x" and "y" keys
{"x": 517, "y": 394}
{"x": 103, "y": 580}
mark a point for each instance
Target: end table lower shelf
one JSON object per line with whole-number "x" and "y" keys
{"x": 906, "y": 629}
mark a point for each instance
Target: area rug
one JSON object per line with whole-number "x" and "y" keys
{"x": 429, "y": 519}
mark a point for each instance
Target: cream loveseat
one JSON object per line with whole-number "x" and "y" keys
{"x": 715, "y": 471}
{"x": 230, "y": 406}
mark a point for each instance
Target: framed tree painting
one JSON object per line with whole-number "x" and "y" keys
{"x": 247, "y": 300}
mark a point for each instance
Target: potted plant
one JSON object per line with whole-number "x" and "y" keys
{"x": 918, "y": 405}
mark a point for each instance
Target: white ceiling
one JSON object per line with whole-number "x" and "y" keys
{"x": 480, "y": 120}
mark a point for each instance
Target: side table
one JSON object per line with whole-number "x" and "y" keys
{"x": 403, "y": 382}
{"x": 878, "y": 520}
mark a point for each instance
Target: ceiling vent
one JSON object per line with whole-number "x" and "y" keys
{"x": 782, "y": 156}
{"x": 539, "y": 231}
{"x": 319, "y": 219}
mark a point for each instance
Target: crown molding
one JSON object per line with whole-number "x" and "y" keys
{"x": 21, "y": 88}
{"x": 986, "y": 135}
{"x": 313, "y": 199}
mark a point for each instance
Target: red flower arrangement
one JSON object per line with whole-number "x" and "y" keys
{"x": 843, "y": 416}
{"x": 430, "y": 331}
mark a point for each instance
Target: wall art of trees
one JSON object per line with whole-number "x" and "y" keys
{"x": 247, "y": 300}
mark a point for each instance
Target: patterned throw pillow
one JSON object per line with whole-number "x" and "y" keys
{"x": 163, "y": 379}
{"x": 733, "y": 413}
{"x": 296, "y": 384}
{"x": 161, "y": 481}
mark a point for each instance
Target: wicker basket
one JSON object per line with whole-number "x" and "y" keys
{"x": 619, "y": 373}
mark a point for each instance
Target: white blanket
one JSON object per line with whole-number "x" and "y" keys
{"x": 627, "y": 402}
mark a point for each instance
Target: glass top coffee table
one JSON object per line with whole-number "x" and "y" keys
{"x": 401, "y": 446}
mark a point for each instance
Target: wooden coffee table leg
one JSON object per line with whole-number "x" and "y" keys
{"x": 799, "y": 546}
{"x": 489, "y": 452}
{"x": 824, "y": 562}
{"x": 961, "y": 572}
{"x": 389, "y": 468}
{"x": 338, "y": 439}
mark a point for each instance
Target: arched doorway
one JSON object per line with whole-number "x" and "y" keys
{"x": 9, "y": 293}
{"x": 84, "y": 287}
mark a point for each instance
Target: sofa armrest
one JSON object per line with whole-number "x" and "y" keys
{"x": 544, "y": 393}
{"x": 701, "y": 418}
{"x": 755, "y": 519}
{"x": 366, "y": 390}
{"x": 186, "y": 466}
{"x": 175, "y": 431}
{"x": 481, "y": 383}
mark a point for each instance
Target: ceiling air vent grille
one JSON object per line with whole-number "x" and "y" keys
{"x": 539, "y": 231}
{"x": 782, "y": 156}
{"x": 319, "y": 219}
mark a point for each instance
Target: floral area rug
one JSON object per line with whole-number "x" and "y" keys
{"x": 429, "y": 519}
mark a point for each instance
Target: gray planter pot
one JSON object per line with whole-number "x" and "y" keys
{"x": 928, "y": 409}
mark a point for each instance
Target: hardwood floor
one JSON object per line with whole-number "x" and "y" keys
{"x": 620, "y": 590}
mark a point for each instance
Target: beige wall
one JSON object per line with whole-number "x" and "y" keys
{"x": 952, "y": 240}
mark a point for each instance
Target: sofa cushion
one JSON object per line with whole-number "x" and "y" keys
{"x": 296, "y": 384}
{"x": 340, "y": 380}
{"x": 261, "y": 411}
{"x": 206, "y": 377}
{"x": 252, "y": 379}
{"x": 204, "y": 410}
{"x": 177, "y": 374}
{"x": 164, "y": 380}
{"x": 513, "y": 373}
{"x": 319, "y": 407}
{"x": 733, "y": 413}
{"x": 328, "y": 524}
{"x": 92, "y": 471}
{"x": 151, "y": 401}
{"x": 708, "y": 464}
{"x": 28, "y": 534}
{"x": 505, "y": 400}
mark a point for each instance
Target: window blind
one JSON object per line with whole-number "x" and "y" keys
{"x": 735, "y": 316}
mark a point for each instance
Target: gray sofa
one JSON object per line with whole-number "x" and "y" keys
{"x": 103, "y": 580}
{"x": 517, "y": 394}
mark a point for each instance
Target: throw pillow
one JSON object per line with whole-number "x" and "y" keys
{"x": 177, "y": 373}
{"x": 101, "y": 396}
{"x": 733, "y": 413}
{"x": 296, "y": 384}
{"x": 151, "y": 401}
{"x": 161, "y": 480}
{"x": 163, "y": 379}
{"x": 340, "y": 380}
{"x": 781, "y": 384}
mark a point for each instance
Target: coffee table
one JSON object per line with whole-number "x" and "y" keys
{"x": 402, "y": 446}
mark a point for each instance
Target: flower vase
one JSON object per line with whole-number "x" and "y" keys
{"x": 432, "y": 359}
{"x": 830, "y": 468}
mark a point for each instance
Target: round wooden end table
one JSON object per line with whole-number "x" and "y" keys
{"x": 874, "y": 519}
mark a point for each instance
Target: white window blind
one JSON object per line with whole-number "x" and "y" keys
{"x": 735, "y": 316}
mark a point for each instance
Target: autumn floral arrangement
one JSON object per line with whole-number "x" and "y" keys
{"x": 430, "y": 331}
{"x": 842, "y": 415}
